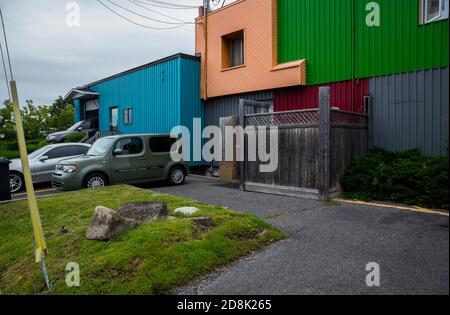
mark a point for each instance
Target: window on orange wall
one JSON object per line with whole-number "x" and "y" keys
{"x": 434, "y": 10}
{"x": 233, "y": 54}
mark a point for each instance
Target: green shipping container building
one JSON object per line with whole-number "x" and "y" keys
{"x": 338, "y": 44}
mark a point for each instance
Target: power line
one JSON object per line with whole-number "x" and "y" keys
{"x": 162, "y": 6}
{"x": 143, "y": 16}
{"x": 154, "y": 11}
{"x": 6, "y": 44}
{"x": 6, "y": 71}
{"x": 136, "y": 23}
{"x": 172, "y": 5}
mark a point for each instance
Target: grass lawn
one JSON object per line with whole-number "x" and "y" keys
{"x": 151, "y": 259}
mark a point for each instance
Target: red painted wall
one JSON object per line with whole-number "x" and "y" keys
{"x": 306, "y": 97}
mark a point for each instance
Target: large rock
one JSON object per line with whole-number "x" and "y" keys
{"x": 186, "y": 210}
{"x": 145, "y": 211}
{"x": 107, "y": 223}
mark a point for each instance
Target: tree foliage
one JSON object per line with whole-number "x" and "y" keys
{"x": 37, "y": 120}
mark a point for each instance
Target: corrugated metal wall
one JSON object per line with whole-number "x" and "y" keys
{"x": 410, "y": 110}
{"x": 77, "y": 111}
{"x": 163, "y": 96}
{"x": 229, "y": 105}
{"x": 306, "y": 97}
{"x": 191, "y": 105}
{"x": 321, "y": 31}
{"x": 153, "y": 93}
{"x": 400, "y": 44}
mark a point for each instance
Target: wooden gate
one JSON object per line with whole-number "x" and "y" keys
{"x": 314, "y": 149}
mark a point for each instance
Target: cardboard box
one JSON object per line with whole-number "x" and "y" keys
{"x": 229, "y": 171}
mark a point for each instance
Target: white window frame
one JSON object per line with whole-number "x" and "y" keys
{"x": 443, "y": 11}
{"x": 128, "y": 116}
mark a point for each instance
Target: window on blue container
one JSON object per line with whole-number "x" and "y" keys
{"x": 128, "y": 116}
{"x": 433, "y": 10}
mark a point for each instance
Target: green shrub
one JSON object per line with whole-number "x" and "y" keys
{"x": 9, "y": 154}
{"x": 10, "y": 149}
{"x": 14, "y": 145}
{"x": 407, "y": 177}
{"x": 75, "y": 137}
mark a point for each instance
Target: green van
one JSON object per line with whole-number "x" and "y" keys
{"x": 123, "y": 159}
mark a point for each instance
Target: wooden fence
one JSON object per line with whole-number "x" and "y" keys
{"x": 314, "y": 149}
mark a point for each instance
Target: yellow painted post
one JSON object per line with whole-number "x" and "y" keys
{"x": 41, "y": 247}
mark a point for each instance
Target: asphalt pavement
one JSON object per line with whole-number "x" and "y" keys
{"x": 328, "y": 248}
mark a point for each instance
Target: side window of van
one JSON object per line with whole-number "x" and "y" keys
{"x": 130, "y": 146}
{"x": 161, "y": 144}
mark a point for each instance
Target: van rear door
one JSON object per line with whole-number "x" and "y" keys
{"x": 159, "y": 155}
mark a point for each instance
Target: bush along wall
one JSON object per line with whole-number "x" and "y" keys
{"x": 10, "y": 149}
{"x": 407, "y": 177}
{"x": 75, "y": 137}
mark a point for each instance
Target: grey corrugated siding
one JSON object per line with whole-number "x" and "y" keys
{"x": 226, "y": 106}
{"x": 410, "y": 110}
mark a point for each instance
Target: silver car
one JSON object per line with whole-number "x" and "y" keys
{"x": 43, "y": 162}
{"x": 88, "y": 126}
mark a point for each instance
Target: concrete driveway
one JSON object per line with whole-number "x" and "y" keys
{"x": 328, "y": 247}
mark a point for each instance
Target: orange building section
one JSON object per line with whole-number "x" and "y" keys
{"x": 258, "y": 21}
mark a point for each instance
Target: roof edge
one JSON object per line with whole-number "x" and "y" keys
{"x": 79, "y": 90}
{"x": 171, "y": 57}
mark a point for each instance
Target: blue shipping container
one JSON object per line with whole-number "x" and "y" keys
{"x": 159, "y": 96}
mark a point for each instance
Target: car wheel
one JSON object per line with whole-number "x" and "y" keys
{"x": 16, "y": 182}
{"x": 95, "y": 181}
{"x": 176, "y": 176}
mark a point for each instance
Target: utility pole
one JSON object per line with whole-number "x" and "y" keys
{"x": 40, "y": 245}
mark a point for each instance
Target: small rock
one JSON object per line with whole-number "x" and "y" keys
{"x": 145, "y": 211}
{"x": 107, "y": 223}
{"x": 187, "y": 210}
{"x": 263, "y": 234}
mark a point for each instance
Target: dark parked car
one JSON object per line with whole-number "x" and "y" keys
{"x": 129, "y": 159}
{"x": 88, "y": 126}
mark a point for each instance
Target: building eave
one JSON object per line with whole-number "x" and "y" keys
{"x": 80, "y": 93}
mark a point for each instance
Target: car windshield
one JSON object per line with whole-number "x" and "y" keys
{"x": 100, "y": 147}
{"x": 76, "y": 126}
{"x": 38, "y": 152}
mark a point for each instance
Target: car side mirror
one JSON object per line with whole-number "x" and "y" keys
{"x": 117, "y": 152}
{"x": 43, "y": 158}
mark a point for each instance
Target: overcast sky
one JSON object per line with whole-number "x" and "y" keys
{"x": 49, "y": 58}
